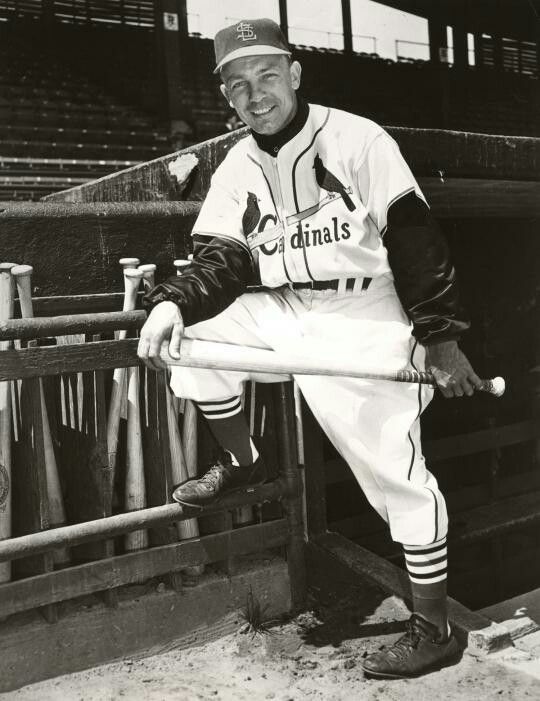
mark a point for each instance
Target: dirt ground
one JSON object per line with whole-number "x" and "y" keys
{"x": 315, "y": 656}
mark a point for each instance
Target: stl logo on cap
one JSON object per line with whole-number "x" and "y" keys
{"x": 245, "y": 31}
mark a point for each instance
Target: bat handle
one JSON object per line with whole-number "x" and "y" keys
{"x": 415, "y": 377}
{"x": 132, "y": 282}
{"x": 149, "y": 271}
{"x": 495, "y": 386}
{"x": 22, "y": 274}
{"x": 129, "y": 262}
{"x": 180, "y": 264}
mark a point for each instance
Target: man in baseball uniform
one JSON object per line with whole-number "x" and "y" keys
{"x": 318, "y": 206}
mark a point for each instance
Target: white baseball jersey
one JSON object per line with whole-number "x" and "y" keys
{"x": 317, "y": 209}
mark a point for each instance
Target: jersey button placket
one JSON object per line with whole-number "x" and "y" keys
{"x": 283, "y": 214}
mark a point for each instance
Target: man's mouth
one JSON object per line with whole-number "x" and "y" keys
{"x": 262, "y": 112}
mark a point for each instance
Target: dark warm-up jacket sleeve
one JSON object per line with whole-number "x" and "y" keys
{"x": 418, "y": 254}
{"x": 220, "y": 272}
{"x": 424, "y": 276}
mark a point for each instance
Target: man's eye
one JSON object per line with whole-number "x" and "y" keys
{"x": 237, "y": 86}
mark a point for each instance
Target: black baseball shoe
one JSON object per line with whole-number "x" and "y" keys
{"x": 420, "y": 650}
{"x": 222, "y": 478}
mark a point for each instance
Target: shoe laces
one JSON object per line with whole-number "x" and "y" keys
{"x": 408, "y": 642}
{"x": 214, "y": 476}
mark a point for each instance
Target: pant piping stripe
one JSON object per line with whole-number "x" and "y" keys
{"x": 412, "y": 461}
{"x": 417, "y": 416}
{"x": 436, "y": 514}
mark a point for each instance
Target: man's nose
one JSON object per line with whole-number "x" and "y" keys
{"x": 256, "y": 93}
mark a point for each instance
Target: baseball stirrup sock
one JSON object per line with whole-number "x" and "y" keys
{"x": 229, "y": 427}
{"x": 426, "y": 564}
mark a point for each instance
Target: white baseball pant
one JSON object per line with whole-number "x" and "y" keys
{"x": 374, "y": 425}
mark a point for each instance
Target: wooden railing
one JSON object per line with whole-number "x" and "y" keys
{"x": 93, "y": 514}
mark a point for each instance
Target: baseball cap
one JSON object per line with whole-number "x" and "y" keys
{"x": 249, "y": 37}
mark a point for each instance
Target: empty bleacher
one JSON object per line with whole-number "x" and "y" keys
{"x": 60, "y": 126}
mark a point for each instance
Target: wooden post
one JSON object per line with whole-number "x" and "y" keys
{"x": 314, "y": 476}
{"x": 437, "y": 38}
{"x": 171, "y": 30}
{"x": 292, "y": 504}
{"x": 347, "y": 26}
{"x": 283, "y": 18}
{"x": 461, "y": 49}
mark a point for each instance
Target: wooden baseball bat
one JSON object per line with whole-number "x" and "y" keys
{"x": 227, "y": 356}
{"x": 189, "y": 424}
{"x": 148, "y": 280}
{"x": 57, "y": 514}
{"x": 300, "y": 451}
{"x": 244, "y": 514}
{"x": 125, "y": 263}
{"x": 149, "y": 273}
{"x": 129, "y": 262}
{"x": 118, "y": 390}
{"x": 6, "y": 312}
{"x": 135, "y": 488}
{"x": 184, "y": 450}
{"x": 180, "y": 264}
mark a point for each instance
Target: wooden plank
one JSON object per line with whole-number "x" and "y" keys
{"x": 44, "y": 541}
{"x": 55, "y": 360}
{"x": 467, "y": 624}
{"x": 470, "y": 525}
{"x": 29, "y": 483}
{"x": 142, "y": 625}
{"x": 454, "y": 198}
{"x": 494, "y": 519}
{"x": 138, "y": 566}
{"x": 38, "y": 327}
{"x": 458, "y": 445}
{"x": 79, "y": 304}
{"x": 429, "y": 152}
{"x": 100, "y": 211}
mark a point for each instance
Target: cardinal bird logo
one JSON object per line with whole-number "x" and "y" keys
{"x": 252, "y": 214}
{"x": 328, "y": 181}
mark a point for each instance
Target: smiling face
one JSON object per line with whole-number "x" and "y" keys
{"x": 262, "y": 90}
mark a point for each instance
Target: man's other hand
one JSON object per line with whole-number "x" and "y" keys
{"x": 451, "y": 369}
{"x": 164, "y": 322}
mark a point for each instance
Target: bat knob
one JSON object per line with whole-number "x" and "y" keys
{"x": 129, "y": 262}
{"x": 136, "y": 273}
{"x": 7, "y": 267}
{"x": 147, "y": 267}
{"x": 22, "y": 270}
{"x": 498, "y": 386}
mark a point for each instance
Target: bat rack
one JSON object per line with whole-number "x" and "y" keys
{"x": 92, "y": 533}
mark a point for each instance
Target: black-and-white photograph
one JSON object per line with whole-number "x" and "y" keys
{"x": 269, "y": 350}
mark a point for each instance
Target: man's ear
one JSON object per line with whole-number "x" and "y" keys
{"x": 296, "y": 74}
{"x": 225, "y": 94}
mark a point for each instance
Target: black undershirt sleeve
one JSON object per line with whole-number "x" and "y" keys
{"x": 220, "y": 272}
{"x": 424, "y": 276}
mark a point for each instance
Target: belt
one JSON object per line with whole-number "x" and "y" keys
{"x": 331, "y": 284}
